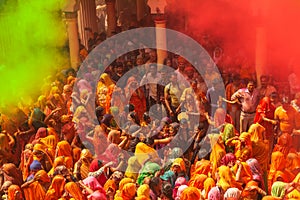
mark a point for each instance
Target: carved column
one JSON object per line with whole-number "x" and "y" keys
{"x": 140, "y": 9}
{"x": 87, "y": 18}
{"x": 111, "y": 16}
{"x": 161, "y": 40}
{"x": 72, "y": 29}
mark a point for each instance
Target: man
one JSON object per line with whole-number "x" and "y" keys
{"x": 265, "y": 89}
{"x": 249, "y": 99}
{"x": 172, "y": 93}
{"x": 234, "y": 110}
{"x": 150, "y": 81}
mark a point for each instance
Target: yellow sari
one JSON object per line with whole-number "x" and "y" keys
{"x": 144, "y": 152}
{"x": 260, "y": 147}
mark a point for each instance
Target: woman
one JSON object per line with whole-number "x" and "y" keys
{"x": 15, "y": 193}
{"x": 41, "y": 154}
{"x": 143, "y": 192}
{"x": 241, "y": 145}
{"x": 257, "y": 173}
{"x": 179, "y": 191}
{"x": 9, "y": 172}
{"x": 197, "y": 181}
{"x": 81, "y": 167}
{"x": 128, "y": 192}
{"x": 95, "y": 166}
{"x": 50, "y": 141}
{"x": 209, "y": 183}
{"x": 293, "y": 163}
{"x": 284, "y": 144}
{"x": 133, "y": 168}
{"x": 148, "y": 170}
{"x": 226, "y": 179}
{"x": 105, "y": 88}
{"x": 277, "y": 165}
{"x": 217, "y": 152}
{"x": 260, "y": 145}
{"x": 56, "y": 188}
{"x": 63, "y": 148}
{"x": 92, "y": 189}
{"x": 228, "y": 160}
{"x": 72, "y": 192}
{"x": 26, "y": 160}
{"x": 37, "y": 187}
{"x": 123, "y": 182}
{"x": 252, "y": 191}
{"x": 135, "y": 96}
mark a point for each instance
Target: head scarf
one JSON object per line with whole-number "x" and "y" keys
{"x": 229, "y": 157}
{"x": 202, "y": 167}
{"x": 277, "y": 163}
{"x": 110, "y": 184}
{"x": 56, "y": 188}
{"x": 143, "y": 152}
{"x": 190, "y": 193}
{"x": 49, "y": 141}
{"x": 257, "y": 173}
{"x": 86, "y": 158}
{"x": 179, "y": 182}
{"x": 94, "y": 166}
{"x": 106, "y": 79}
{"x": 121, "y": 185}
{"x": 35, "y": 165}
{"x": 209, "y": 183}
{"x": 128, "y": 191}
{"x": 292, "y": 161}
{"x": 214, "y": 194}
{"x": 41, "y": 133}
{"x": 148, "y": 170}
{"x": 92, "y": 183}
{"x": 64, "y": 149}
{"x": 256, "y": 132}
{"x": 179, "y": 191}
{"x": 12, "y": 173}
{"x": 233, "y": 193}
{"x": 13, "y": 190}
{"x": 226, "y": 178}
{"x": 179, "y": 162}
{"x": 246, "y": 191}
{"x": 144, "y": 190}
{"x": 42, "y": 175}
{"x": 278, "y": 189}
{"x": 73, "y": 189}
{"x": 198, "y": 181}
{"x": 133, "y": 168}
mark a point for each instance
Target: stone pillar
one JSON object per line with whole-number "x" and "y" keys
{"x": 111, "y": 16}
{"x": 87, "y": 18}
{"x": 161, "y": 40}
{"x": 72, "y": 29}
{"x": 140, "y": 9}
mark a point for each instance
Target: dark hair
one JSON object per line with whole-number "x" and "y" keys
{"x": 149, "y": 141}
{"x": 99, "y": 111}
{"x": 154, "y": 181}
{"x": 167, "y": 190}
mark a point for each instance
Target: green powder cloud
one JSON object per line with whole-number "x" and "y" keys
{"x": 31, "y": 41}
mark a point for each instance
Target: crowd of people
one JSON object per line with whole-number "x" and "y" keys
{"x": 160, "y": 133}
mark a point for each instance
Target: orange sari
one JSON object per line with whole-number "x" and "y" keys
{"x": 63, "y": 148}
{"x": 56, "y": 188}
